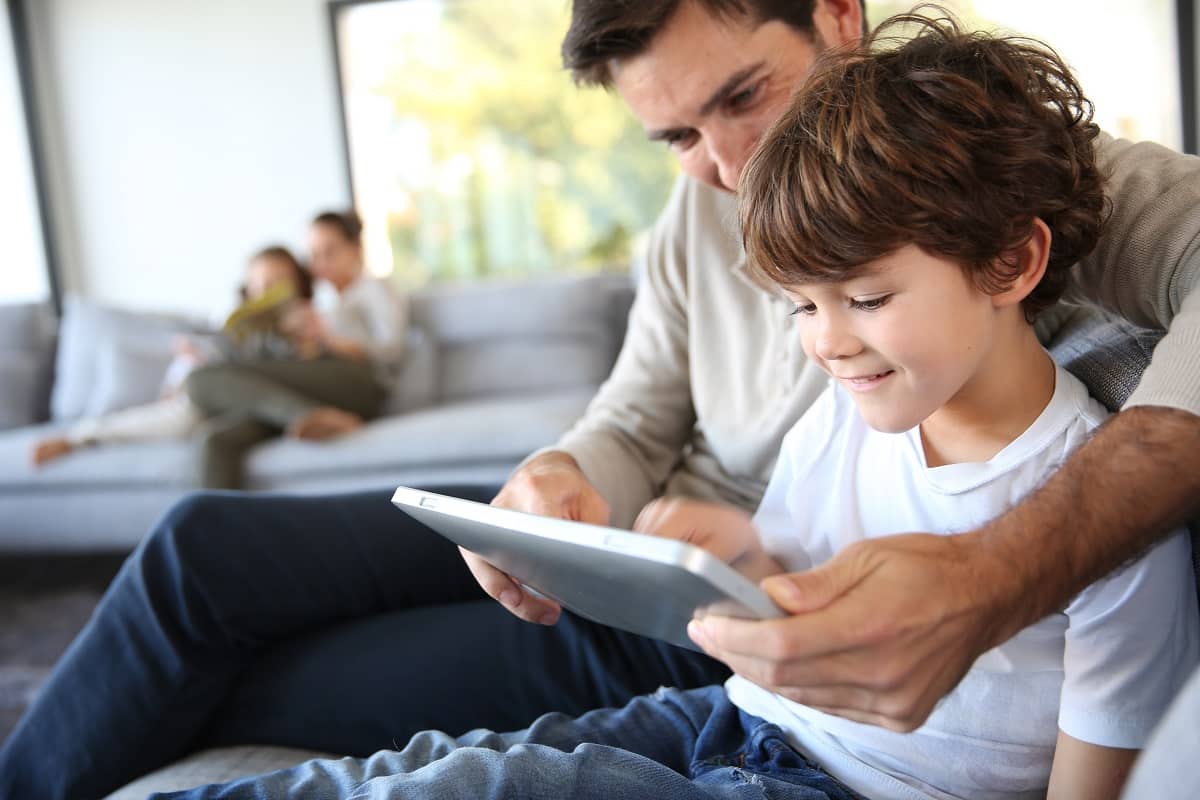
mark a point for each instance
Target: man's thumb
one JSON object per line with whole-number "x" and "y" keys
{"x": 811, "y": 590}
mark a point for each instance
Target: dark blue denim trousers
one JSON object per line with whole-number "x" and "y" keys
{"x": 335, "y": 623}
{"x": 674, "y": 745}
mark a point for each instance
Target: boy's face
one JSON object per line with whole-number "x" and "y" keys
{"x": 905, "y": 339}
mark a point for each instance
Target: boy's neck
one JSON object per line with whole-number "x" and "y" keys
{"x": 1011, "y": 388}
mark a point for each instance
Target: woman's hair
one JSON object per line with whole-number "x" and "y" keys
{"x": 301, "y": 277}
{"x": 951, "y": 141}
{"x": 346, "y": 223}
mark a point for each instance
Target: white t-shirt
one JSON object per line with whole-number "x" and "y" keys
{"x": 369, "y": 311}
{"x": 1104, "y": 670}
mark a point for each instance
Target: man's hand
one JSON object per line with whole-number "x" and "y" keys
{"x": 881, "y": 631}
{"x": 551, "y": 485}
{"x": 725, "y": 531}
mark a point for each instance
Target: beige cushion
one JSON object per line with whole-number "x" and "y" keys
{"x": 218, "y": 765}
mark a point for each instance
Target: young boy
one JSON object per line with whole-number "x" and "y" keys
{"x": 919, "y": 205}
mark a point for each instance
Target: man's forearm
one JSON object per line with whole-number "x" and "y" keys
{"x": 1136, "y": 480}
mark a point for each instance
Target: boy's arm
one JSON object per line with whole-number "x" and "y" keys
{"x": 1084, "y": 771}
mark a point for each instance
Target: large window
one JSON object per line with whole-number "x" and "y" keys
{"x": 473, "y": 155}
{"x": 23, "y": 274}
{"x": 1124, "y": 52}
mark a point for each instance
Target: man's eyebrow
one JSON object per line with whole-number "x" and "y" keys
{"x": 729, "y": 87}
{"x": 719, "y": 96}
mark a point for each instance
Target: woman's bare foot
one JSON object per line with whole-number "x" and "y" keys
{"x": 325, "y": 422}
{"x": 49, "y": 449}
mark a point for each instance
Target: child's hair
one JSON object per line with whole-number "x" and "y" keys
{"x": 347, "y": 223}
{"x": 951, "y": 141}
{"x": 300, "y": 275}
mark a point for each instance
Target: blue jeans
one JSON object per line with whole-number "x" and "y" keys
{"x": 334, "y": 623}
{"x": 674, "y": 745}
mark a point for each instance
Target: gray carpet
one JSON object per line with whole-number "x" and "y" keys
{"x": 44, "y": 602}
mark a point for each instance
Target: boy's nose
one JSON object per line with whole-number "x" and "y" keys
{"x": 835, "y": 341}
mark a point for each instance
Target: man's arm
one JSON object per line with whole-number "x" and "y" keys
{"x": 619, "y": 455}
{"x": 633, "y": 433}
{"x": 888, "y": 626}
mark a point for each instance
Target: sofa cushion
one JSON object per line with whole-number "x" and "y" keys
{"x": 21, "y": 379}
{"x": 416, "y": 382}
{"x": 27, "y": 335}
{"x": 480, "y": 431}
{"x": 504, "y": 339}
{"x": 1107, "y": 353}
{"x": 219, "y": 765}
{"x": 86, "y": 329}
{"x": 127, "y": 374}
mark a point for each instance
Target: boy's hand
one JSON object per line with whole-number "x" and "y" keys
{"x": 551, "y": 485}
{"x": 881, "y": 631}
{"x": 724, "y": 531}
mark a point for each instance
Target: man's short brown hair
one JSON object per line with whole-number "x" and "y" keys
{"x": 951, "y": 141}
{"x": 606, "y": 30}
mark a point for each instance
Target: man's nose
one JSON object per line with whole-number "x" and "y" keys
{"x": 728, "y": 154}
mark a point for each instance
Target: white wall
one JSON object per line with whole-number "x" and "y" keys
{"x": 182, "y": 136}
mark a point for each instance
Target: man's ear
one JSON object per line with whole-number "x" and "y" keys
{"x": 1028, "y": 265}
{"x": 838, "y": 22}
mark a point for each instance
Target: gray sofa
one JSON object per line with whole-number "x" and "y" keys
{"x": 492, "y": 373}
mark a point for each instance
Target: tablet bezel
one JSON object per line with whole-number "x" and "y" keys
{"x": 644, "y": 584}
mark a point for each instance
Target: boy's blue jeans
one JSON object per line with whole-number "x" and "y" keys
{"x": 671, "y": 745}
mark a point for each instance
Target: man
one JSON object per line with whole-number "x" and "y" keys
{"x": 336, "y": 623}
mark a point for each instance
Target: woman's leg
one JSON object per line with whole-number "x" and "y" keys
{"x": 220, "y": 448}
{"x": 280, "y": 392}
{"x": 336, "y": 622}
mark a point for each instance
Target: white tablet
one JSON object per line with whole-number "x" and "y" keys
{"x": 638, "y": 583}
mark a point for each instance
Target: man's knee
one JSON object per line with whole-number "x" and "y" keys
{"x": 194, "y": 529}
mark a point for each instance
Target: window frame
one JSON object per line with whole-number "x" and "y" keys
{"x": 18, "y": 21}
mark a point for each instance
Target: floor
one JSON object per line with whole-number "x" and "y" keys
{"x": 44, "y": 602}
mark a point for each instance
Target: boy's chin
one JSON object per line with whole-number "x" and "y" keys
{"x": 887, "y": 423}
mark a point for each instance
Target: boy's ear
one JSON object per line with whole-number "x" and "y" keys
{"x": 1028, "y": 265}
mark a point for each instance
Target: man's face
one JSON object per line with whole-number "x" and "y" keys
{"x": 909, "y": 337}
{"x": 709, "y": 88}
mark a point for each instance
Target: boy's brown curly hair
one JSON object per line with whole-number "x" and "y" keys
{"x": 949, "y": 140}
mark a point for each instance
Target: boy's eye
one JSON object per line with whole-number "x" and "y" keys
{"x": 803, "y": 310}
{"x": 871, "y": 303}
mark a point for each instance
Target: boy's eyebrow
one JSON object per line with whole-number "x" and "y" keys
{"x": 729, "y": 87}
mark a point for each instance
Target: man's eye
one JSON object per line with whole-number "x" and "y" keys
{"x": 870, "y": 304}
{"x": 743, "y": 97}
{"x": 680, "y": 141}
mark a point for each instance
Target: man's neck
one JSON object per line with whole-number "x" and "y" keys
{"x": 1011, "y": 388}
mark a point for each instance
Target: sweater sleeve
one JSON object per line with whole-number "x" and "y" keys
{"x": 634, "y": 431}
{"x": 1146, "y": 266}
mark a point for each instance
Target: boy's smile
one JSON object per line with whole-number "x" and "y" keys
{"x": 910, "y": 337}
